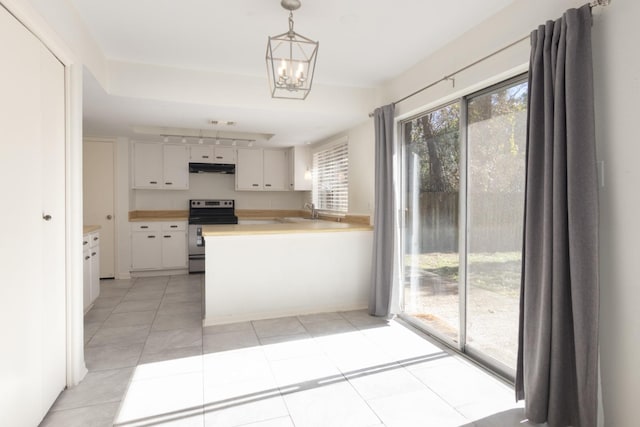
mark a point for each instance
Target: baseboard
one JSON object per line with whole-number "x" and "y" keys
{"x": 222, "y": 320}
{"x": 151, "y": 273}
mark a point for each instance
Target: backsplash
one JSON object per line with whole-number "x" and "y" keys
{"x": 216, "y": 186}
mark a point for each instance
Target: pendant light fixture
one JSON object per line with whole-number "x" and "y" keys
{"x": 291, "y": 60}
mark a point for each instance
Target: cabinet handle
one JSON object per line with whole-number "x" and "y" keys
{"x": 85, "y": 243}
{"x": 151, "y": 237}
{"x": 95, "y": 238}
{"x": 219, "y": 157}
{"x": 93, "y": 254}
{"x": 153, "y": 182}
{"x": 87, "y": 257}
{"x": 255, "y": 185}
{"x": 144, "y": 226}
{"x": 168, "y": 183}
{"x": 267, "y": 185}
{"x": 205, "y": 157}
{"x": 174, "y": 226}
{"x": 167, "y": 237}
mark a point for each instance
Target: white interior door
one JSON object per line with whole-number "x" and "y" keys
{"x": 53, "y": 294}
{"x": 32, "y": 250}
{"x": 98, "y": 193}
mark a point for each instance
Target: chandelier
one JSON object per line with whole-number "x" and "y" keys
{"x": 291, "y": 60}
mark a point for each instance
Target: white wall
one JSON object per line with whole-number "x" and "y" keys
{"x": 617, "y": 90}
{"x": 361, "y": 169}
{"x": 617, "y": 85}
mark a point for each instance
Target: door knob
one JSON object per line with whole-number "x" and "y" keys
{"x": 46, "y": 217}
{"x": 109, "y": 217}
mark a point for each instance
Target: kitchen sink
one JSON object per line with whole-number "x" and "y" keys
{"x": 298, "y": 219}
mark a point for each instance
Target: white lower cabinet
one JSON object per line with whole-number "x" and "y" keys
{"x": 146, "y": 250}
{"x": 91, "y": 268}
{"x": 174, "y": 249}
{"x": 158, "y": 245}
{"x": 86, "y": 278}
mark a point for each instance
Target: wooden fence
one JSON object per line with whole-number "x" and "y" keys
{"x": 494, "y": 221}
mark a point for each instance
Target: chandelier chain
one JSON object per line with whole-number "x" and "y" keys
{"x": 290, "y": 24}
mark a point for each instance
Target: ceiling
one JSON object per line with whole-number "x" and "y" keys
{"x": 220, "y": 46}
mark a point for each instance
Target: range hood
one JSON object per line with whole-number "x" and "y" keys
{"x": 212, "y": 168}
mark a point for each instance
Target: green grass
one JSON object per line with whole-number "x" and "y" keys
{"x": 497, "y": 272}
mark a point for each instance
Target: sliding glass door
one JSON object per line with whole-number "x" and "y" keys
{"x": 496, "y": 132}
{"x": 431, "y": 258}
{"x": 463, "y": 178}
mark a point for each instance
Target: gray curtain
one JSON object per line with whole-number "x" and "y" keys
{"x": 383, "y": 231}
{"x": 558, "y": 348}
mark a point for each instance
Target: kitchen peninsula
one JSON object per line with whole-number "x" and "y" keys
{"x": 287, "y": 267}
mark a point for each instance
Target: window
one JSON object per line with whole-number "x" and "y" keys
{"x": 331, "y": 177}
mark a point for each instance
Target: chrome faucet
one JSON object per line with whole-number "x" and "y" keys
{"x": 314, "y": 211}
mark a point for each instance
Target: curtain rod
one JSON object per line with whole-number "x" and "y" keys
{"x": 450, "y": 77}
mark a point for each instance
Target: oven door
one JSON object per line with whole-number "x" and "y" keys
{"x": 196, "y": 263}
{"x": 195, "y": 243}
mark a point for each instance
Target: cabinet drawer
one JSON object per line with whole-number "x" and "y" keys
{"x": 94, "y": 240}
{"x": 145, "y": 226}
{"x": 174, "y": 226}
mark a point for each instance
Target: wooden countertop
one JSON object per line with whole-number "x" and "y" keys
{"x": 180, "y": 215}
{"x": 297, "y": 227}
{"x": 141, "y": 216}
{"x": 90, "y": 228}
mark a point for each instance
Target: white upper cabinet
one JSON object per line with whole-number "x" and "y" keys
{"x": 224, "y": 155}
{"x": 212, "y": 154}
{"x": 160, "y": 166}
{"x": 201, "y": 154}
{"x": 175, "y": 167}
{"x": 276, "y": 170}
{"x": 249, "y": 170}
{"x": 300, "y": 168}
{"x": 262, "y": 170}
{"x": 147, "y": 165}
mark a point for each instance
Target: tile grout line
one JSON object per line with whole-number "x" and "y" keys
{"x": 347, "y": 379}
{"x": 121, "y": 401}
{"x": 152, "y": 321}
{"x": 273, "y": 374}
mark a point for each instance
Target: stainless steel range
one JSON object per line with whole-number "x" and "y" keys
{"x": 206, "y": 212}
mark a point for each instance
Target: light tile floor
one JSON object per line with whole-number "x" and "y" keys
{"x": 151, "y": 363}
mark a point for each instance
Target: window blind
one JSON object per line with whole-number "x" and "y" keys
{"x": 331, "y": 178}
